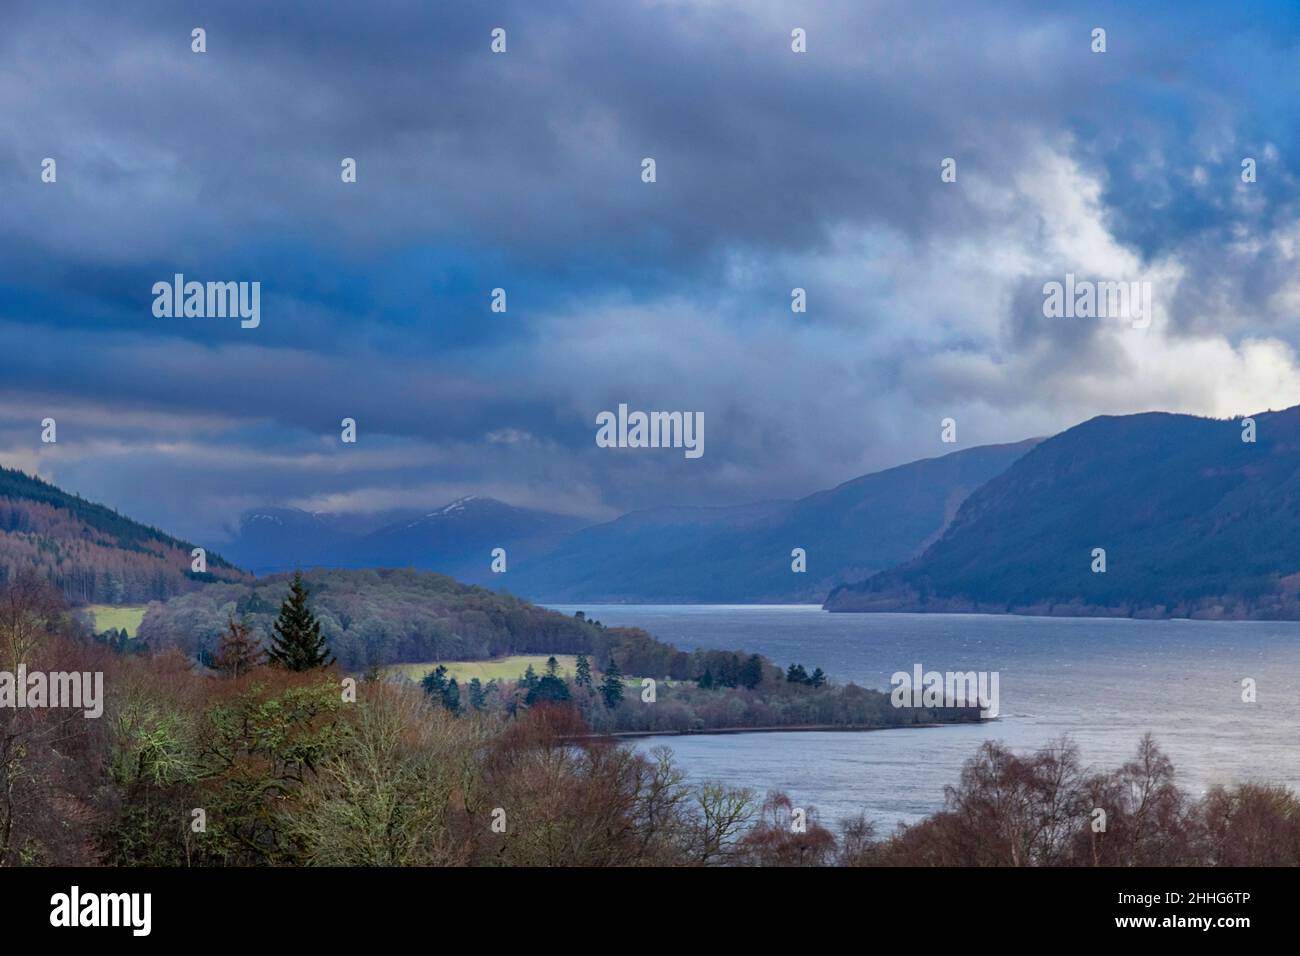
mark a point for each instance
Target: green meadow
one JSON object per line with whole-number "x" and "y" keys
{"x": 502, "y": 668}
{"x": 117, "y": 617}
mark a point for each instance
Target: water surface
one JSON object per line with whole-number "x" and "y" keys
{"x": 1103, "y": 682}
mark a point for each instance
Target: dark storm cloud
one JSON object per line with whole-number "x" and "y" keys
{"x": 775, "y": 170}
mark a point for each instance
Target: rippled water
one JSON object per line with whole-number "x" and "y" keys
{"x": 1104, "y": 682}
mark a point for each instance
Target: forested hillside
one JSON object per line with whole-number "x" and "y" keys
{"x": 90, "y": 552}
{"x": 1193, "y": 522}
{"x": 378, "y": 617}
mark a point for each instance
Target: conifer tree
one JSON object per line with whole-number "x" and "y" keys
{"x": 298, "y": 644}
{"x": 435, "y": 682}
{"x": 477, "y": 699}
{"x": 582, "y": 670}
{"x": 611, "y": 688}
{"x": 529, "y": 680}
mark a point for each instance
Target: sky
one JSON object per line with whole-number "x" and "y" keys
{"x": 522, "y": 170}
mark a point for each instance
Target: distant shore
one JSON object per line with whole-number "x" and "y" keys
{"x": 794, "y": 728}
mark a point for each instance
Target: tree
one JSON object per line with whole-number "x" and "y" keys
{"x": 611, "y": 688}
{"x": 706, "y": 680}
{"x": 435, "y": 683}
{"x": 796, "y": 674}
{"x": 451, "y": 696}
{"x": 238, "y": 653}
{"x": 751, "y": 674}
{"x": 551, "y": 688}
{"x": 552, "y": 667}
{"x": 477, "y": 699}
{"x": 582, "y": 671}
{"x": 818, "y": 677}
{"x": 298, "y": 644}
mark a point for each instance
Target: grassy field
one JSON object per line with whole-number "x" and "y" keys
{"x": 502, "y": 668}
{"x": 108, "y": 615}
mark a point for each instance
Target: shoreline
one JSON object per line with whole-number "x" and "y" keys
{"x": 794, "y": 728}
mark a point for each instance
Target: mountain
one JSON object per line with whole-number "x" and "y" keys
{"x": 272, "y": 539}
{"x": 456, "y": 539}
{"x": 1194, "y": 522}
{"x": 278, "y": 539}
{"x": 743, "y": 554}
{"x": 90, "y": 552}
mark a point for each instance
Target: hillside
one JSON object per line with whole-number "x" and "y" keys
{"x": 1194, "y": 522}
{"x": 90, "y": 552}
{"x": 742, "y": 554}
{"x": 373, "y": 617}
{"x": 383, "y": 617}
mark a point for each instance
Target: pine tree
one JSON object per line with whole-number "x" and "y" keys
{"x": 552, "y": 667}
{"x": 451, "y": 697}
{"x": 611, "y": 688}
{"x": 477, "y": 699}
{"x": 238, "y": 653}
{"x": 435, "y": 683}
{"x": 751, "y": 674}
{"x": 582, "y": 671}
{"x": 817, "y": 678}
{"x": 298, "y": 644}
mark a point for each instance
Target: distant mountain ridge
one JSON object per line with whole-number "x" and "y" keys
{"x": 90, "y": 552}
{"x": 743, "y": 555}
{"x": 456, "y": 539}
{"x": 737, "y": 554}
{"x": 1194, "y": 522}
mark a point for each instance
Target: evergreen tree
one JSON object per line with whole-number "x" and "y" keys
{"x": 611, "y": 688}
{"x": 477, "y": 699}
{"x": 818, "y": 678}
{"x": 796, "y": 674}
{"x": 706, "y": 680}
{"x": 451, "y": 696}
{"x": 238, "y": 653}
{"x": 435, "y": 683}
{"x": 582, "y": 669}
{"x": 550, "y": 688}
{"x": 552, "y": 667}
{"x": 298, "y": 644}
{"x": 529, "y": 680}
{"x": 751, "y": 674}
